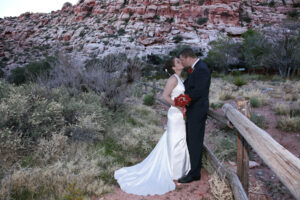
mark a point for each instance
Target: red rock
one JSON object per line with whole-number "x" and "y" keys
{"x": 149, "y": 41}
{"x": 67, "y": 37}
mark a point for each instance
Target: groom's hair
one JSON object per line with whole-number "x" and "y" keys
{"x": 188, "y": 52}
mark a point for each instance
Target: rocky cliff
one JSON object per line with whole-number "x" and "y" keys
{"x": 99, "y": 27}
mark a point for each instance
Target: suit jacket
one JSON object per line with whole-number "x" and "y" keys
{"x": 197, "y": 87}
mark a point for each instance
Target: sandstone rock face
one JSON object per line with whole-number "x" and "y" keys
{"x": 97, "y": 27}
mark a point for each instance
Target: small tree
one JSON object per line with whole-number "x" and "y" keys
{"x": 224, "y": 52}
{"x": 284, "y": 55}
{"x": 255, "y": 47}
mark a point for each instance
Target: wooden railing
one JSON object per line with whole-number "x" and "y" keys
{"x": 282, "y": 162}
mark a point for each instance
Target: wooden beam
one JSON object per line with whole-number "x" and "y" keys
{"x": 283, "y": 163}
{"x": 219, "y": 117}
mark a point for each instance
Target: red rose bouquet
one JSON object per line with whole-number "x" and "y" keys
{"x": 182, "y": 101}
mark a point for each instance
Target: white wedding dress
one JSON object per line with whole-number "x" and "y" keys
{"x": 168, "y": 161}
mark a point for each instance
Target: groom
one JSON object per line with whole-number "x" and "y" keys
{"x": 197, "y": 87}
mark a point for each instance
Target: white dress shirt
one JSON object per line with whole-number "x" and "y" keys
{"x": 195, "y": 63}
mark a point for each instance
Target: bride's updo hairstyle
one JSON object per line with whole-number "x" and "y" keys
{"x": 169, "y": 65}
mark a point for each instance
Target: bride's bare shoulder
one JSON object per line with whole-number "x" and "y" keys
{"x": 172, "y": 80}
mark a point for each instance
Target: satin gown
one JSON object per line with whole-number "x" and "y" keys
{"x": 168, "y": 161}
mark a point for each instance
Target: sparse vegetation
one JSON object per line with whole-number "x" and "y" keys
{"x": 287, "y": 123}
{"x": 202, "y": 20}
{"x": 149, "y": 99}
{"x": 121, "y": 31}
{"x": 29, "y": 73}
{"x": 177, "y": 38}
{"x": 259, "y": 120}
{"x": 1, "y": 73}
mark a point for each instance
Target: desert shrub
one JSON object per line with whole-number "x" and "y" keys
{"x": 59, "y": 168}
{"x": 153, "y": 68}
{"x": 216, "y": 105}
{"x": 287, "y": 123}
{"x": 30, "y": 72}
{"x": 121, "y": 31}
{"x": 111, "y": 77}
{"x": 1, "y": 73}
{"x": 219, "y": 188}
{"x": 224, "y": 53}
{"x": 285, "y": 48}
{"x": 281, "y": 109}
{"x": 225, "y": 146}
{"x": 170, "y": 20}
{"x": 177, "y": 38}
{"x": 149, "y": 99}
{"x": 254, "y": 102}
{"x": 201, "y": 2}
{"x": 31, "y": 112}
{"x": 258, "y": 98}
{"x": 225, "y": 95}
{"x": 202, "y": 20}
{"x": 240, "y": 81}
{"x": 254, "y": 49}
{"x": 259, "y": 120}
{"x": 293, "y": 14}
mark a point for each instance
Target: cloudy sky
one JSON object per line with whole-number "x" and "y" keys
{"x": 17, "y": 7}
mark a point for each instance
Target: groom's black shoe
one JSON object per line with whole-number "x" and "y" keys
{"x": 188, "y": 179}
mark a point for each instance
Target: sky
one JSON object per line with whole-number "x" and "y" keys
{"x": 16, "y": 7}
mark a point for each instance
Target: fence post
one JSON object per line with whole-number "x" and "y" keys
{"x": 243, "y": 149}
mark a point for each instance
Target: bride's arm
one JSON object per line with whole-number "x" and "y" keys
{"x": 171, "y": 84}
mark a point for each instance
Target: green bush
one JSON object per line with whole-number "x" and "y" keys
{"x": 177, "y": 38}
{"x": 202, "y": 20}
{"x": 287, "y": 123}
{"x": 254, "y": 102}
{"x": 121, "y": 31}
{"x": 149, "y": 99}
{"x": 1, "y": 73}
{"x": 239, "y": 81}
{"x": 216, "y": 105}
{"x": 259, "y": 120}
{"x": 201, "y": 2}
{"x": 223, "y": 54}
{"x": 293, "y": 14}
{"x": 33, "y": 112}
{"x": 28, "y": 73}
{"x": 254, "y": 49}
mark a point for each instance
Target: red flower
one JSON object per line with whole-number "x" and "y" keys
{"x": 182, "y": 100}
{"x": 190, "y": 70}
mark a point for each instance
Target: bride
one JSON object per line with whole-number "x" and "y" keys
{"x": 169, "y": 160}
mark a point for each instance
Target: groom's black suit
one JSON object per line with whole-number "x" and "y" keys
{"x": 197, "y": 87}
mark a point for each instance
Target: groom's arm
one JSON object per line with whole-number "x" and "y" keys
{"x": 198, "y": 87}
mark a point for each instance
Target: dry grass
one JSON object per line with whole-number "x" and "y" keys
{"x": 288, "y": 123}
{"x": 254, "y": 93}
{"x": 281, "y": 109}
{"x": 51, "y": 181}
{"x": 61, "y": 168}
{"x": 219, "y": 188}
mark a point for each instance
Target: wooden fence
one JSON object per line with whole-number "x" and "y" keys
{"x": 283, "y": 163}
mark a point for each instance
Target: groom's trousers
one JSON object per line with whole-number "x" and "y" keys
{"x": 195, "y": 137}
